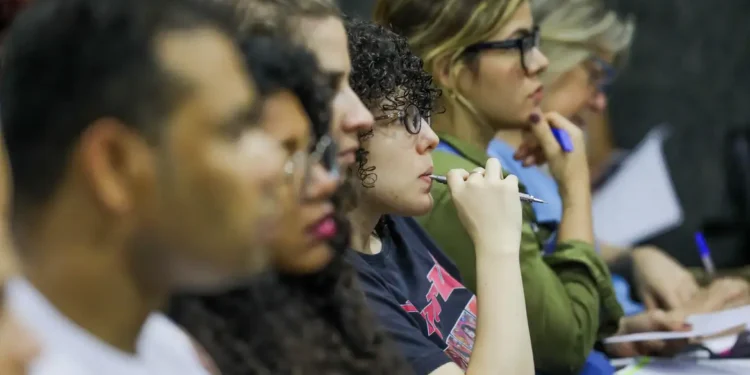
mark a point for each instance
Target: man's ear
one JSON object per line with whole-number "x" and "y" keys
{"x": 111, "y": 159}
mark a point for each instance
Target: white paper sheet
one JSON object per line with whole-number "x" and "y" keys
{"x": 689, "y": 367}
{"x": 639, "y": 201}
{"x": 704, "y": 325}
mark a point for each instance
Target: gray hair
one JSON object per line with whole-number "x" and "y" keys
{"x": 573, "y": 31}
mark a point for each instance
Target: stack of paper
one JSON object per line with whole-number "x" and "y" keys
{"x": 639, "y": 200}
{"x": 704, "y": 325}
{"x": 688, "y": 367}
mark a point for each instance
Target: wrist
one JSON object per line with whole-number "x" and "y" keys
{"x": 575, "y": 196}
{"x": 492, "y": 248}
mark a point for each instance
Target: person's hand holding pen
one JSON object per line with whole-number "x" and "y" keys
{"x": 557, "y": 142}
{"x": 660, "y": 281}
{"x": 721, "y": 294}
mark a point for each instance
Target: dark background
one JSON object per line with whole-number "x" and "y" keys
{"x": 689, "y": 67}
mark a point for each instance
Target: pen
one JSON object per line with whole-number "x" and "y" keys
{"x": 563, "y": 139}
{"x": 705, "y": 254}
{"x": 524, "y": 197}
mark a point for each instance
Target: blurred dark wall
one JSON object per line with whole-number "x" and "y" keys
{"x": 690, "y": 67}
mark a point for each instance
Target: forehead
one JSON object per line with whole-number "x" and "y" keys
{"x": 521, "y": 20}
{"x": 326, "y": 38}
{"x": 211, "y": 64}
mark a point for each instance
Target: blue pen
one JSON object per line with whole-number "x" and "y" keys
{"x": 563, "y": 138}
{"x": 705, "y": 253}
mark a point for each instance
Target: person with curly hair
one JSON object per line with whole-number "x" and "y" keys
{"x": 411, "y": 285}
{"x": 308, "y": 317}
{"x": 485, "y": 56}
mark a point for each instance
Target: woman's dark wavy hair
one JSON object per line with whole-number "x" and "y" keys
{"x": 384, "y": 68}
{"x": 292, "y": 324}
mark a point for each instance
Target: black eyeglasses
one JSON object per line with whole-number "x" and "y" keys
{"x": 409, "y": 117}
{"x": 525, "y": 46}
{"x": 301, "y": 162}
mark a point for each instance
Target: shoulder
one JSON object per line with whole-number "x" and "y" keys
{"x": 53, "y": 363}
{"x": 163, "y": 341}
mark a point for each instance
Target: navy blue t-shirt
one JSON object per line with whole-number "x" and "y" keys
{"x": 416, "y": 292}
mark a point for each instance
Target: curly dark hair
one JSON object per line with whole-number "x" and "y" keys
{"x": 384, "y": 68}
{"x": 283, "y": 323}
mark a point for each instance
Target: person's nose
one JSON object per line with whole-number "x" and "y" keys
{"x": 539, "y": 64}
{"x": 357, "y": 118}
{"x": 428, "y": 138}
{"x": 321, "y": 185}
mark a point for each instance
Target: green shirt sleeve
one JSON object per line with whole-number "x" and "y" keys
{"x": 569, "y": 296}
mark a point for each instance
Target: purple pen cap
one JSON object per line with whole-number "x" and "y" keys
{"x": 563, "y": 139}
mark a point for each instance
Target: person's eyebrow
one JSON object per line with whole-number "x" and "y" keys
{"x": 334, "y": 78}
{"x": 521, "y": 32}
{"x": 244, "y": 117}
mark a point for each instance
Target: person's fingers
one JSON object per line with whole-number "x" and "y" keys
{"x": 456, "y": 179}
{"x": 559, "y": 121}
{"x": 649, "y": 301}
{"x": 685, "y": 292}
{"x": 493, "y": 170}
{"x": 521, "y": 152}
{"x": 529, "y": 160}
{"x": 662, "y": 321}
{"x": 543, "y": 133}
{"x": 670, "y": 299}
{"x": 476, "y": 175}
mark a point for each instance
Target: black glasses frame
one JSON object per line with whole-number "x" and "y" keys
{"x": 523, "y": 44}
{"x": 409, "y": 113}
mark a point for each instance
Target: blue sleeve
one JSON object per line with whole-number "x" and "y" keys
{"x": 422, "y": 354}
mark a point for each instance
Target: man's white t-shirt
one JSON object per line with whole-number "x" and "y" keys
{"x": 67, "y": 349}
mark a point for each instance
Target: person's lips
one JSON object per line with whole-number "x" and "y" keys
{"x": 324, "y": 229}
{"x": 538, "y": 95}
{"x": 347, "y": 157}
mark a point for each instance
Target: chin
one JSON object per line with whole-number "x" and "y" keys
{"x": 418, "y": 207}
{"x": 311, "y": 261}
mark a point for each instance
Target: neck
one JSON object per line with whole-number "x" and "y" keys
{"x": 363, "y": 222}
{"x": 461, "y": 123}
{"x": 91, "y": 279}
{"x": 512, "y": 137}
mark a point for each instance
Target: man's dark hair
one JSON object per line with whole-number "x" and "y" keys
{"x": 384, "y": 67}
{"x": 292, "y": 324}
{"x": 279, "y": 17}
{"x": 68, "y": 63}
{"x": 302, "y": 77}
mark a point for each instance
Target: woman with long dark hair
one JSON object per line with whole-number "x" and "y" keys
{"x": 310, "y": 316}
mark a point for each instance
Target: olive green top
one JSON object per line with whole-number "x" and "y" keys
{"x": 570, "y": 301}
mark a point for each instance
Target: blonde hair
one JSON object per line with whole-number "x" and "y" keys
{"x": 574, "y": 30}
{"x": 442, "y": 29}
